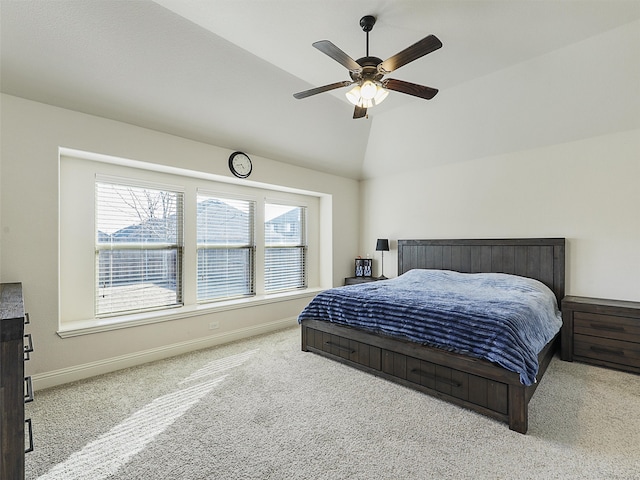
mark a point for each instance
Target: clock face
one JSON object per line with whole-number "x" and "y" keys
{"x": 240, "y": 164}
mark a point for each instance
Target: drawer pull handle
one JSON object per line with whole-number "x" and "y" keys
{"x": 340, "y": 347}
{"x": 607, "y": 328}
{"x": 433, "y": 376}
{"x": 610, "y": 351}
{"x": 30, "y": 430}
{"x": 27, "y": 321}
{"x": 28, "y": 387}
{"x": 29, "y": 346}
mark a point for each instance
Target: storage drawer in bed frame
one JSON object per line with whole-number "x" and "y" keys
{"x": 457, "y": 386}
{"x": 469, "y": 382}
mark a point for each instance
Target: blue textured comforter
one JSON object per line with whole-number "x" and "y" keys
{"x": 502, "y": 318}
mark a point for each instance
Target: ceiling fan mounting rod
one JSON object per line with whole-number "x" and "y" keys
{"x": 367, "y": 44}
{"x": 367, "y": 22}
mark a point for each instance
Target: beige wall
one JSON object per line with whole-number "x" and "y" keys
{"x": 31, "y": 135}
{"x": 587, "y": 191}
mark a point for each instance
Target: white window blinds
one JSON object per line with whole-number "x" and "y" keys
{"x": 285, "y": 247}
{"x": 226, "y": 248}
{"x": 139, "y": 248}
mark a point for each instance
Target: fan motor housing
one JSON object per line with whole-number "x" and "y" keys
{"x": 369, "y": 69}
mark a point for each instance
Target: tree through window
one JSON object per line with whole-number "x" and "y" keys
{"x": 139, "y": 245}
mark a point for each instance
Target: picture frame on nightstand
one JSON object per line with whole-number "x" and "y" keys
{"x": 363, "y": 267}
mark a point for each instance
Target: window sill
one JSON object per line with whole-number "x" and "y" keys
{"x": 97, "y": 325}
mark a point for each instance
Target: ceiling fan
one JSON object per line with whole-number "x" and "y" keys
{"x": 367, "y": 72}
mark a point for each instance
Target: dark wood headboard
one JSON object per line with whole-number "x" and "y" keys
{"x": 538, "y": 258}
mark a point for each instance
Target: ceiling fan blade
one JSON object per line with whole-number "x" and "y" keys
{"x": 359, "y": 112}
{"x": 419, "y": 49}
{"x": 328, "y": 48}
{"x": 325, "y": 88}
{"x": 410, "y": 88}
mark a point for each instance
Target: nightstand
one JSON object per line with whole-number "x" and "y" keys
{"x": 601, "y": 332}
{"x": 357, "y": 280}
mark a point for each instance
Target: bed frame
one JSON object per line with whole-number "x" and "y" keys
{"x": 473, "y": 383}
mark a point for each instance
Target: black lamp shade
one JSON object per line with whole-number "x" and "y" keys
{"x": 382, "y": 245}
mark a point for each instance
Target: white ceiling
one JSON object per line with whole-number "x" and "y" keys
{"x": 224, "y": 71}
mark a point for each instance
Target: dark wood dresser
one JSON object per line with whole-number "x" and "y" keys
{"x": 15, "y": 388}
{"x": 601, "y": 332}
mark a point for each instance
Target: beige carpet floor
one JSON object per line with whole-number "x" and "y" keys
{"x": 262, "y": 409}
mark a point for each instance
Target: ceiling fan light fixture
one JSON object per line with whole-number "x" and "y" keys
{"x": 368, "y": 95}
{"x": 380, "y": 95}
{"x": 368, "y": 90}
{"x": 353, "y": 95}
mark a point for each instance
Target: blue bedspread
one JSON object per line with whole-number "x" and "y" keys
{"x": 502, "y": 318}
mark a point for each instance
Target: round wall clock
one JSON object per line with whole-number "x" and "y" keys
{"x": 240, "y": 164}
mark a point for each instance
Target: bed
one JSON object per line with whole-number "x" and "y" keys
{"x": 468, "y": 381}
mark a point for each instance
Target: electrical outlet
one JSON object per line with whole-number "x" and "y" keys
{"x": 213, "y": 325}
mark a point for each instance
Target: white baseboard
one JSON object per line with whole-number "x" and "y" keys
{"x": 87, "y": 370}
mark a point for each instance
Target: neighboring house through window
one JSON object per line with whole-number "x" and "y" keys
{"x": 285, "y": 247}
{"x": 226, "y": 247}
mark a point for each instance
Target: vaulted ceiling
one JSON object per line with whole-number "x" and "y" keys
{"x": 224, "y": 71}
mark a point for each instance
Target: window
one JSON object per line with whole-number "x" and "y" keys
{"x": 226, "y": 248}
{"x": 143, "y": 243}
{"x": 285, "y": 247}
{"x": 138, "y": 249}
